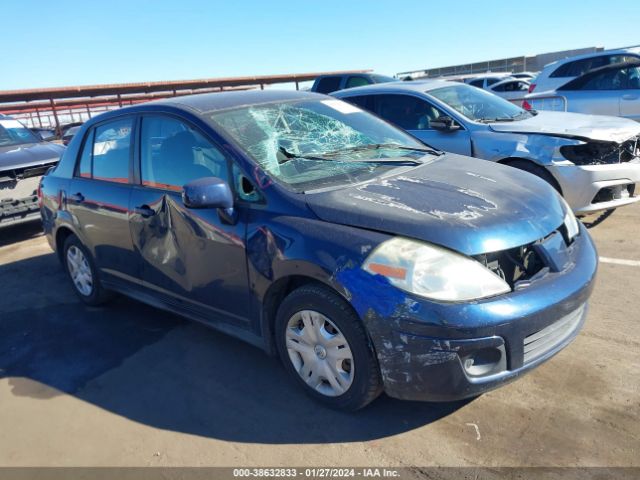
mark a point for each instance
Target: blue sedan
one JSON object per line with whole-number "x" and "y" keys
{"x": 322, "y": 234}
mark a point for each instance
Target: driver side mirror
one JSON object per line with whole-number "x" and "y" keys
{"x": 210, "y": 192}
{"x": 444, "y": 123}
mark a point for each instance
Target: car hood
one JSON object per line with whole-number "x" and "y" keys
{"x": 469, "y": 205}
{"x": 573, "y": 125}
{"x": 29, "y": 154}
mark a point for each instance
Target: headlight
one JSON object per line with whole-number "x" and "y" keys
{"x": 433, "y": 272}
{"x": 570, "y": 221}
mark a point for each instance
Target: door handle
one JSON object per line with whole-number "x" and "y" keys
{"x": 77, "y": 197}
{"x": 629, "y": 97}
{"x": 145, "y": 211}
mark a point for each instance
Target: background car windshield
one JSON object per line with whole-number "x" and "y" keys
{"x": 281, "y": 137}
{"x": 13, "y": 132}
{"x": 477, "y": 104}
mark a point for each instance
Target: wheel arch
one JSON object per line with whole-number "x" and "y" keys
{"x": 62, "y": 233}
{"x": 274, "y": 296}
{"x": 520, "y": 162}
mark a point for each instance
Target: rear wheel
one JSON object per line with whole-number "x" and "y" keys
{"x": 82, "y": 272}
{"x": 324, "y": 347}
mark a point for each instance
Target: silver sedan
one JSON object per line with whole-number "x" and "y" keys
{"x": 592, "y": 160}
{"x": 610, "y": 90}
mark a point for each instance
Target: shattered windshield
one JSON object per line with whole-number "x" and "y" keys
{"x": 13, "y": 132}
{"x": 317, "y": 143}
{"x": 479, "y": 105}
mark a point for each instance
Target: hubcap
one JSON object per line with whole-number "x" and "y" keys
{"x": 79, "y": 270}
{"x": 320, "y": 353}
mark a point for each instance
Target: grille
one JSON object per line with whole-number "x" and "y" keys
{"x": 541, "y": 342}
{"x": 595, "y": 153}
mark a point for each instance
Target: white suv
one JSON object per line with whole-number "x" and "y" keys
{"x": 561, "y": 72}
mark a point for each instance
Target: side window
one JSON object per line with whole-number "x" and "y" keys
{"x": 84, "y": 167}
{"x": 607, "y": 80}
{"x": 407, "y": 112}
{"x": 106, "y": 152}
{"x": 491, "y": 81}
{"x": 501, "y": 88}
{"x": 328, "y": 84}
{"x": 363, "y": 101}
{"x": 633, "y": 78}
{"x": 357, "y": 82}
{"x": 172, "y": 154}
{"x": 477, "y": 83}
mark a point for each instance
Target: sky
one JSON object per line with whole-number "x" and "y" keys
{"x": 73, "y": 42}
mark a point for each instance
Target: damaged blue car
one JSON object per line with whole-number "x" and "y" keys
{"x": 365, "y": 260}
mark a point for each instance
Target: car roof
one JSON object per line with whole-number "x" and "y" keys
{"x": 635, "y": 49}
{"x": 207, "y": 102}
{"x": 421, "y": 86}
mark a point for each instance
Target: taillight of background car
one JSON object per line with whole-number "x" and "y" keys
{"x": 532, "y": 87}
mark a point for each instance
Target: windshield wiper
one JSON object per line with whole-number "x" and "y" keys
{"x": 497, "y": 119}
{"x": 329, "y": 157}
{"x": 379, "y": 146}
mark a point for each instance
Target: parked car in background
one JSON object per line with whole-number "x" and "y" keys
{"x": 485, "y": 80}
{"x": 557, "y": 74}
{"x": 332, "y": 83}
{"x": 46, "y": 134}
{"x": 528, "y": 76}
{"x": 592, "y": 160}
{"x": 510, "y": 89}
{"x": 611, "y": 90}
{"x": 319, "y": 232}
{"x": 24, "y": 158}
{"x": 69, "y": 133}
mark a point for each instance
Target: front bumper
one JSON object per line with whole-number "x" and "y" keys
{"x": 18, "y": 201}
{"x": 428, "y": 351}
{"x": 583, "y": 185}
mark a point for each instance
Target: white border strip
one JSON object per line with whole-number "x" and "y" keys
{"x": 620, "y": 261}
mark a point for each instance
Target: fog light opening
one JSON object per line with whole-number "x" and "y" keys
{"x": 484, "y": 362}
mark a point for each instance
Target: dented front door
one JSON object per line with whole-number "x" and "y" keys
{"x": 191, "y": 259}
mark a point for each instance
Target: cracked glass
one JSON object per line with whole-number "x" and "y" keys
{"x": 313, "y": 144}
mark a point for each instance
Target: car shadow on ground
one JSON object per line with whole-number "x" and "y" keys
{"x": 155, "y": 368}
{"x": 18, "y": 233}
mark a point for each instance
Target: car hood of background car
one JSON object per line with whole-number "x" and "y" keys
{"x": 29, "y": 154}
{"x": 468, "y": 205}
{"x": 573, "y": 125}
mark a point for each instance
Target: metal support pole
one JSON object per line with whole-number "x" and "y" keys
{"x": 297, "y": 85}
{"x": 119, "y": 100}
{"x": 39, "y": 119}
{"x": 55, "y": 117}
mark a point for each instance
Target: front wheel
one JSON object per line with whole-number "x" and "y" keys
{"x": 324, "y": 346}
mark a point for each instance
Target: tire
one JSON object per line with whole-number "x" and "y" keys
{"x": 337, "y": 333}
{"x": 76, "y": 256}
{"x": 536, "y": 170}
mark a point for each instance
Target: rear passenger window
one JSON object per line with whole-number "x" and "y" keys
{"x": 405, "y": 111}
{"x": 173, "y": 154}
{"x": 106, "y": 151}
{"x": 111, "y": 151}
{"x": 328, "y": 84}
{"x": 362, "y": 101}
{"x": 84, "y": 169}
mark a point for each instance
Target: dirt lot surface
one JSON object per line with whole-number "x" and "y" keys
{"x": 129, "y": 385}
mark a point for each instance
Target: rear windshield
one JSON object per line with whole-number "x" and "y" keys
{"x": 314, "y": 144}
{"x": 13, "y": 132}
